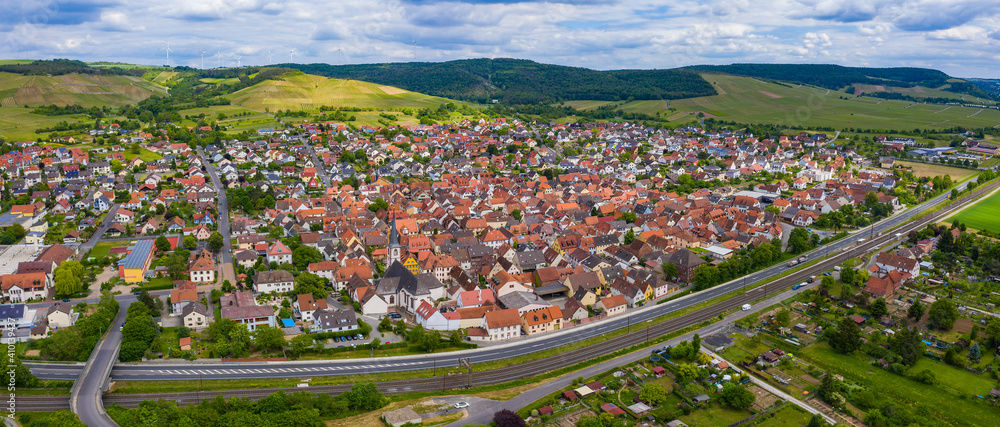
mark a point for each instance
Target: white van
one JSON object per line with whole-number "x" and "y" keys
{"x": 746, "y": 307}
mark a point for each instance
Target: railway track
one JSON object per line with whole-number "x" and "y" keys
{"x": 639, "y": 335}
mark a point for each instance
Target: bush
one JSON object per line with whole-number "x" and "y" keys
{"x": 926, "y": 376}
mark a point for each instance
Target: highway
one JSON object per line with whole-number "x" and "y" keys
{"x": 840, "y": 251}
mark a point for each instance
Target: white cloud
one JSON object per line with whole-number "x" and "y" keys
{"x": 962, "y": 33}
{"x": 118, "y": 21}
{"x": 814, "y": 40}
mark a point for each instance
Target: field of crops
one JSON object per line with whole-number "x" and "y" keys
{"x": 308, "y": 92}
{"x": 984, "y": 215}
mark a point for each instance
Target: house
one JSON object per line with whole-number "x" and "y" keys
{"x": 887, "y": 262}
{"x": 502, "y": 324}
{"x": 181, "y": 296}
{"x": 401, "y": 417}
{"x": 475, "y": 298}
{"x": 326, "y": 320}
{"x": 241, "y": 307}
{"x": 195, "y": 316}
{"x": 686, "y": 262}
{"x": 247, "y": 258}
{"x": 279, "y": 253}
{"x": 124, "y": 216}
{"x": 305, "y": 305}
{"x": 430, "y": 318}
{"x": 543, "y": 320}
{"x": 202, "y": 268}
{"x": 613, "y": 305}
{"x": 20, "y": 287}
{"x": 61, "y": 315}
{"x": 273, "y": 281}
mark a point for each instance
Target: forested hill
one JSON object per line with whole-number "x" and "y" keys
{"x": 516, "y": 81}
{"x": 837, "y": 77}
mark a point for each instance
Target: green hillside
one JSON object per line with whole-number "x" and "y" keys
{"x": 749, "y": 100}
{"x": 66, "y": 89}
{"x": 516, "y": 81}
{"x": 298, "y": 91}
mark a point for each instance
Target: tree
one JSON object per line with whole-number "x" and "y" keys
{"x": 871, "y": 198}
{"x": 828, "y": 388}
{"x": 303, "y": 255}
{"x": 847, "y": 338}
{"x": 696, "y": 343}
{"x": 268, "y": 337}
{"x": 239, "y": 341}
{"x": 783, "y": 317}
{"x": 507, "y": 418}
{"x": 686, "y": 373}
{"x": 516, "y": 213}
{"x": 653, "y": 394}
{"x": 162, "y": 244}
{"x": 629, "y": 237}
{"x": 798, "y": 241}
{"x": 669, "y": 270}
{"x": 146, "y": 299}
{"x": 68, "y": 278}
{"x": 737, "y": 396}
{"x": 705, "y": 276}
{"x": 878, "y": 308}
{"x": 365, "y": 397}
{"x": 378, "y": 205}
{"x": 216, "y": 242}
{"x": 16, "y": 374}
{"x": 847, "y": 275}
{"x": 190, "y": 242}
{"x": 309, "y": 283}
{"x": 916, "y": 311}
{"x": 907, "y": 344}
{"x": 816, "y": 421}
{"x": 975, "y": 352}
{"x": 137, "y": 334}
{"x": 942, "y": 314}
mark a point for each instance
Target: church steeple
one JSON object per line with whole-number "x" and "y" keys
{"x": 395, "y": 250}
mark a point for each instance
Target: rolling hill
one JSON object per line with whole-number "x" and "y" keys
{"x": 86, "y": 90}
{"x": 517, "y": 81}
{"x": 750, "y": 100}
{"x": 298, "y": 91}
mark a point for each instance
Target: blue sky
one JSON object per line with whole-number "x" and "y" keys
{"x": 960, "y": 37}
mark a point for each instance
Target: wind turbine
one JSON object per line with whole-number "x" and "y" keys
{"x": 218, "y": 55}
{"x": 238, "y": 63}
{"x": 168, "y": 52}
{"x": 203, "y": 51}
{"x": 269, "y": 56}
{"x": 291, "y": 55}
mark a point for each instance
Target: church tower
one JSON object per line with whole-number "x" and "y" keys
{"x": 395, "y": 250}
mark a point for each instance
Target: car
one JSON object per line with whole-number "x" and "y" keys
{"x": 66, "y": 300}
{"x": 745, "y": 307}
{"x": 361, "y": 337}
{"x": 461, "y": 405}
{"x": 797, "y": 286}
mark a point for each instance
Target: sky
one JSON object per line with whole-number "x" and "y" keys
{"x": 959, "y": 37}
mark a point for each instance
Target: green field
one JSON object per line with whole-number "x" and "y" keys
{"x": 19, "y": 124}
{"x": 982, "y": 215}
{"x": 308, "y": 92}
{"x": 748, "y": 100}
{"x": 16, "y": 61}
{"x": 949, "y": 401}
{"x": 86, "y": 90}
{"x": 931, "y": 170}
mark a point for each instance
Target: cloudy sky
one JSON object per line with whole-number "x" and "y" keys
{"x": 960, "y": 37}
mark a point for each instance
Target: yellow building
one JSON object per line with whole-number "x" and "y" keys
{"x": 412, "y": 265}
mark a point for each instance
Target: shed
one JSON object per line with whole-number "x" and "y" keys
{"x": 612, "y": 409}
{"x": 185, "y": 343}
{"x": 570, "y": 395}
{"x": 659, "y": 371}
{"x": 701, "y": 398}
{"x": 401, "y": 416}
{"x": 545, "y": 410}
{"x": 584, "y": 391}
{"x": 288, "y": 323}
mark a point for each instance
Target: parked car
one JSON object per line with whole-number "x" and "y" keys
{"x": 360, "y": 337}
{"x": 746, "y": 307}
{"x": 461, "y": 405}
{"x": 797, "y": 286}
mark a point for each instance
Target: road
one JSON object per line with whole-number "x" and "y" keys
{"x": 226, "y": 255}
{"x": 856, "y": 244}
{"x": 320, "y": 166}
{"x": 86, "y": 398}
{"x": 108, "y": 219}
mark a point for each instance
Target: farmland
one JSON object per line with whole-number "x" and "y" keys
{"x": 84, "y": 90}
{"x": 19, "y": 124}
{"x": 308, "y": 92}
{"x": 982, "y": 215}
{"x": 932, "y": 170}
{"x": 749, "y": 100}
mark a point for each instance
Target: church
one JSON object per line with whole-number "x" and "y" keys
{"x": 401, "y": 288}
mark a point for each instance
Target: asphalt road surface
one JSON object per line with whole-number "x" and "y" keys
{"x": 226, "y": 255}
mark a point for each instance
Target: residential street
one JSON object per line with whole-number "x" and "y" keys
{"x": 228, "y": 270}
{"x": 108, "y": 219}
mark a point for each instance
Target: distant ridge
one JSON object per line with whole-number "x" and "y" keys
{"x": 519, "y": 81}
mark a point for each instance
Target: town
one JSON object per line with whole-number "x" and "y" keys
{"x": 324, "y": 240}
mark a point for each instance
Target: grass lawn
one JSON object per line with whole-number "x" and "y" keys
{"x": 714, "y": 414}
{"x": 946, "y": 405}
{"x": 932, "y": 170}
{"x": 788, "y": 415}
{"x": 982, "y": 215}
{"x": 154, "y": 284}
{"x": 104, "y": 248}
{"x": 144, "y": 155}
